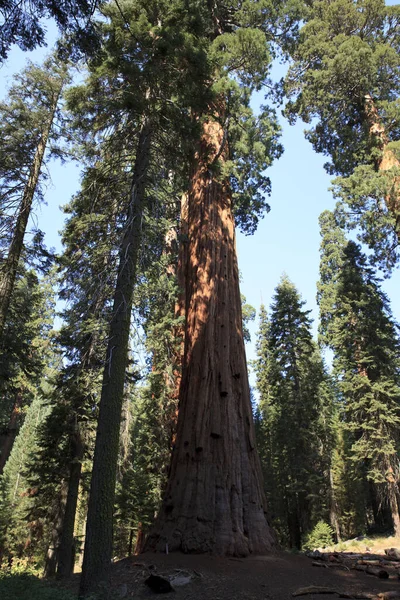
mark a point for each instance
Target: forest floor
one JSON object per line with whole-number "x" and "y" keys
{"x": 201, "y": 577}
{"x": 275, "y": 577}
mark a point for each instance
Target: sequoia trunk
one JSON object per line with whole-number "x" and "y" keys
{"x": 387, "y": 160}
{"x": 214, "y": 500}
{"x": 99, "y": 538}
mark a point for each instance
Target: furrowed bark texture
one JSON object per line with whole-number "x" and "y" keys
{"x": 99, "y": 534}
{"x": 9, "y": 269}
{"x": 387, "y": 161}
{"x": 214, "y": 501}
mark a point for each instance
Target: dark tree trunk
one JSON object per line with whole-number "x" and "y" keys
{"x": 52, "y": 551}
{"x": 333, "y": 508}
{"x": 214, "y": 500}
{"x": 8, "y": 438}
{"x": 99, "y": 534}
{"x": 9, "y": 269}
{"x": 294, "y": 528}
{"x": 66, "y": 552}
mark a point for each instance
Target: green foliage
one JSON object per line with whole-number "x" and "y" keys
{"x": 345, "y": 81}
{"x": 295, "y": 397}
{"x": 25, "y": 586}
{"x": 320, "y": 537}
{"x": 22, "y": 537}
{"x": 25, "y": 115}
{"x": 23, "y": 23}
{"x": 357, "y": 324}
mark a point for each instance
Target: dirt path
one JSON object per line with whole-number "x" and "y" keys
{"x": 256, "y": 578}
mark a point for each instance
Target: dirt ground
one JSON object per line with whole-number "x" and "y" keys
{"x": 200, "y": 577}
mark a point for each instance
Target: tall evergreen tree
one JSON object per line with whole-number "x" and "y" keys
{"x": 87, "y": 276}
{"x": 27, "y": 120}
{"x": 293, "y": 416}
{"x": 221, "y": 509}
{"x": 140, "y": 117}
{"x": 23, "y": 352}
{"x": 357, "y": 324}
{"x": 345, "y": 78}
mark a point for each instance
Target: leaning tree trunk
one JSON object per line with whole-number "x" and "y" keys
{"x": 214, "y": 500}
{"x": 9, "y": 269}
{"x": 99, "y": 529}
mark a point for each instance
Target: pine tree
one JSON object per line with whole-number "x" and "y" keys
{"x": 22, "y": 534}
{"x": 87, "y": 275}
{"x": 295, "y": 397}
{"x": 27, "y": 120}
{"x": 345, "y": 78}
{"x": 23, "y": 352}
{"x": 357, "y": 324}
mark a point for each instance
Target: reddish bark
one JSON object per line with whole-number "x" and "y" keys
{"x": 387, "y": 161}
{"x": 214, "y": 500}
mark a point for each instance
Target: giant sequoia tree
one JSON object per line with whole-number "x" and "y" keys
{"x": 214, "y": 500}
{"x": 345, "y": 78}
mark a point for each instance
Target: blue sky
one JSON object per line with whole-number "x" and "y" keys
{"x": 287, "y": 239}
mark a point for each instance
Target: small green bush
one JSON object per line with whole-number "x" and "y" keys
{"x": 320, "y": 537}
{"x": 28, "y": 587}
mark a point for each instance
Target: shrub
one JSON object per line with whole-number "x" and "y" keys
{"x": 28, "y": 587}
{"x": 320, "y": 537}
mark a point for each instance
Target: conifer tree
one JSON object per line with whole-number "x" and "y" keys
{"x": 22, "y": 22}
{"x": 293, "y": 416}
{"x": 38, "y": 363}
{"x": 345, "y": 78}
{"x": 215, "y": 416}
{"x": 87, "y": 275}
{"x": 27, "y": 120}
{"x": 23, "y": 352}
{"x": 357, "y": 324}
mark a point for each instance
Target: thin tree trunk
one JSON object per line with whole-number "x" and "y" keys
{"x": 99, "y": 536}
{"x": 8, "y": 438}
{"x": 66, "y": 557}
{"x": 214, "y": 500}
{"x": 52, "y": 550}
{"x": 9, "y": 269}
{"x": 393, "y": 497}
{"x": 333, "y": 508}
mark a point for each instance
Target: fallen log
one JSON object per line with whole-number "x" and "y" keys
{"x": 337, "y": 565}
{"x": 314, "y": 589}
{"x": 381, "y": 573}
{"x": 389, "y": 595}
